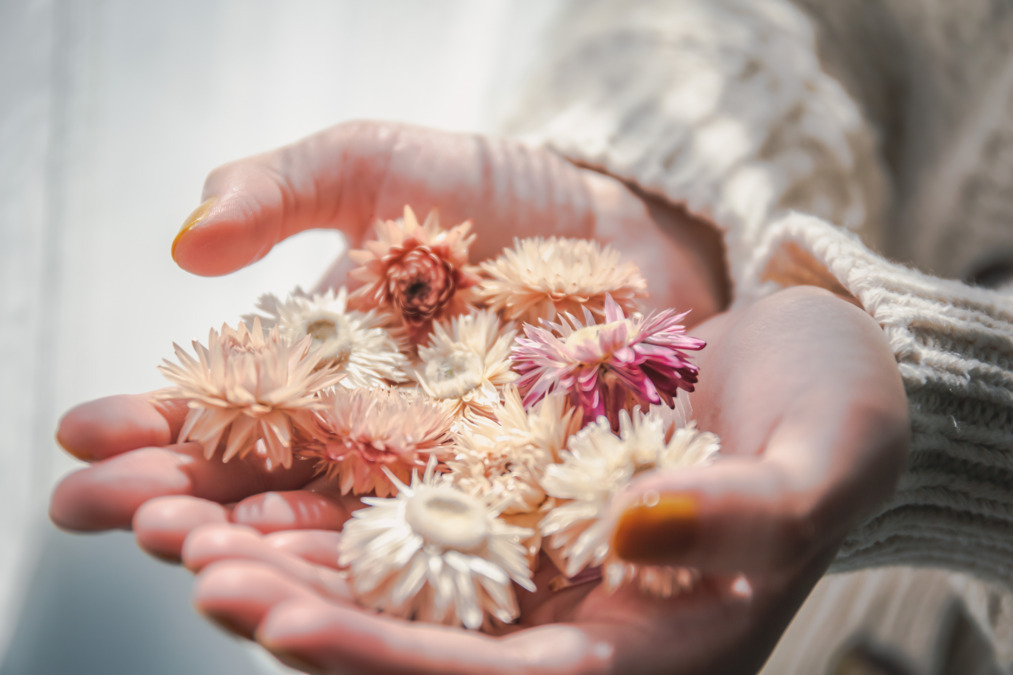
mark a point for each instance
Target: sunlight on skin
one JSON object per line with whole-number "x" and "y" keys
{"x": 805, "y": 458}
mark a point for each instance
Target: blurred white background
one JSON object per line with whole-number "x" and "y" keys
{"x": 111, "y": 114}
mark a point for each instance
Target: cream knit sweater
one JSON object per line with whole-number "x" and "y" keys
{"x": 815, "y": 134}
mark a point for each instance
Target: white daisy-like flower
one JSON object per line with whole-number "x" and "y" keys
{"x": 466, "y": 363}
{"x": 436, "y": 554}
{"x": 251, "y": 387}
{"x": 539, "y": 278}
{"x": 356, "y": 342}
{"x": 599, "y": 464}
{"x": 508, "y": 454}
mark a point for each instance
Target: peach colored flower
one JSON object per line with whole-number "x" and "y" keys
{"x": 507, "y": 455}
{"x": 539, "y": 278}
{"x": 366, "y": 435}
{"x": 251, "y": 387}
{"x": 415, "y": 273}
{"x": 610, "y": 366}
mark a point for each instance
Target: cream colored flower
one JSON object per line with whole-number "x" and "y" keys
{"x": 600, "y": 464}
{"x": 366, "y": 435}
{"x": 539, "y": 278}
{"x": 365, "y": 354}
{"x": 251, "y": 387}
{"x": 508, "y": 455}
{"x": 436, "y": 554}
{"x": 466, "y": 363}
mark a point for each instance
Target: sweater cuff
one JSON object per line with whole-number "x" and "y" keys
{"x": 953, "y": 506}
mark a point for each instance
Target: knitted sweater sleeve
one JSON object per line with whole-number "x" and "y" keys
{"x": 723, "y": 106}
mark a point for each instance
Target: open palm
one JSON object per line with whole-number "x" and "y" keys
{"x": 801, "y": 387}
{"x": 813, "y": 418}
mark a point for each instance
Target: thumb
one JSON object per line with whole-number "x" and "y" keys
{"x": 326, "y": 180}
{"x": 737, "y": 515}
{"x": 816, "y": 477}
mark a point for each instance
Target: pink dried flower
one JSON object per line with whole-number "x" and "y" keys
{"x": 363, "y": 431}
{"x": 415, "y": 273}
{"x": 610, "y": 366}
{"x": 251, "y": 387}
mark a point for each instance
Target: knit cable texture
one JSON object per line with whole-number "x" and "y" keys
{"x": 954, "y": 345}
{"x": 723, "y": 106}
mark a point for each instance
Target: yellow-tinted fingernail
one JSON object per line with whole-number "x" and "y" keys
{"x": 191, "y": 220}
{"x": 658, "y": 530}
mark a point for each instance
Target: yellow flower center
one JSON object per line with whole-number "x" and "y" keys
{"x": 330, "y": 332}
{"x": 589, "y": 337}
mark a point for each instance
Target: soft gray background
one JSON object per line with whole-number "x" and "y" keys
{"x": 111, "y": 114}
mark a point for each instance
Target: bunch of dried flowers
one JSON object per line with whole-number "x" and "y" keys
{"x": 486, "y": 414}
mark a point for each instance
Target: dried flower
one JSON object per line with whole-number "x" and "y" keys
{"x": 599, "y": 464}
{"x": 251, "y": 387}
{"x": 466, "y": 363}
{"x": 610, "y": 366}
{"x": 539, "y": 278}
{"x": 363, "y": 352}
{"x": 507, "y": 456}
{"x": 366, "y": 435}
{"x": 435, "y": 553}
{"x": 415, "y": 273}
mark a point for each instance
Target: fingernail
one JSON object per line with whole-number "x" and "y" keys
{"x": 657, "y": 530}
{"x": 198, "y": 215}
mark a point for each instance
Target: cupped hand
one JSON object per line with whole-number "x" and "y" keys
{"x": 804, "y": 392}
{"x": 346, "y": 178}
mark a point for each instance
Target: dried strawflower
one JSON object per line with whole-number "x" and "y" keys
{"x": 367, "y": 435}
{"x": 600, "y": 463}
{"x": 466, "y": 363}
{"x": 362, "y": 351}
{"x": 251, "y": 387}
{"x": 610, "y": 366}
{"x": 506, "y": 456}
{"x": 539, "y": 278}
{"x": 415, "y": 273}
{"x": 435, "y": 553}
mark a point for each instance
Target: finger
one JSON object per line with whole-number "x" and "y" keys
{"x": 768, "y": 513}
{"x": 115, "y": 424}
{"x": 294, "y": 510}
{"x": 330, "y": 637}
{"x": 106, "y": 495}
{"x": 237, "y": 594}
{"x": 350, "y": 175}
{"x": 161, "y": 525}
{"x": 216, "y": 543}
{"x": 315, "y": 546}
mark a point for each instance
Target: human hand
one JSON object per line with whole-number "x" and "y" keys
{"x": 346, "y": 178}
{"x": 353, "y": 174}
{"x": 804, "y": 392}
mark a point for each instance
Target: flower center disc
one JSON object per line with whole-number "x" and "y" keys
{"x": 455, "y": 374}
{"x": 330, "y": 332}
{"x": 322, "y": 330}
{"x": 595, "y": 343}
{"x": 448, "y": 518}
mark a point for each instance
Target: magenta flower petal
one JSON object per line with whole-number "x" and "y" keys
{"x": 610, "y": 366}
